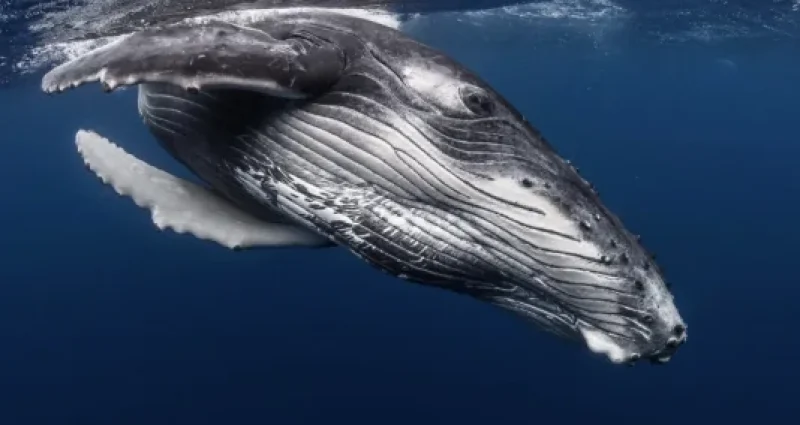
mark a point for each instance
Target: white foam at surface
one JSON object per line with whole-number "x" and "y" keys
{"x": 61, "y": 52}
{"x": 253, "y": 15}
{"x": 94, "y": 15}
{"x": 557, "y": 9}
{"x": 51, "y": 20}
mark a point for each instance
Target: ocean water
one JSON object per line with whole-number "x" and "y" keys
{"x": 682, "y": 113}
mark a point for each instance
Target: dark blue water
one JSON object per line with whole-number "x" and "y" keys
{"x": 106, "y": 320}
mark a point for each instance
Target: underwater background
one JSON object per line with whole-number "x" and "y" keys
{"x": 684, "y": 115}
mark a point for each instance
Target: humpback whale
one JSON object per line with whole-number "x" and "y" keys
{"x": 314, "y": 128}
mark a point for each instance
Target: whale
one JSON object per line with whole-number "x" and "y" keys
{"x": 318, "y": 129}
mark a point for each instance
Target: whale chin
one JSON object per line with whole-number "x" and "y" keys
{"x": 657, "y": 346}
{"x": 604, "y": 344}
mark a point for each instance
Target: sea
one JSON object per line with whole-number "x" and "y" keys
{"x": 684, "y": 114}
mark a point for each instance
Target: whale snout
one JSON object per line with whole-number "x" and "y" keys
{"x": 658, "y": 335}
{"x": 669, "y": 332}
{"x": 658, "y": 349}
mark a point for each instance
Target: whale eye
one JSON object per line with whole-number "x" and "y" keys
{"x": 477, "y": 101}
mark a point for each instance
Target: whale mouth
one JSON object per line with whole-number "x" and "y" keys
{"x": 631, "y": 354}
{"x": 655, "y": 338}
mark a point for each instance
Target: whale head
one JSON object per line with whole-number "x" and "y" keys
{"x": 541, "y": 242}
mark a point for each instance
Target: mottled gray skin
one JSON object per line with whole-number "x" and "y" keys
{"x": 387, "y": 147}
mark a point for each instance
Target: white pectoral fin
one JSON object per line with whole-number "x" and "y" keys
{"x": 182, "y": 205}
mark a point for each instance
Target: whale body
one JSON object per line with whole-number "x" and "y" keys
{"x": 315, "y": 128}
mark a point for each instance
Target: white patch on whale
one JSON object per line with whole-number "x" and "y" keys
{"x": 428, "y": 79}
{"x": 601, "y": 343}
{"x": 551, "y": 219}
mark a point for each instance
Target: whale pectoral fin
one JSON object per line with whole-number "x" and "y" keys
{"x": 208, "y": 56}
{"x": 185, "y": 206}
